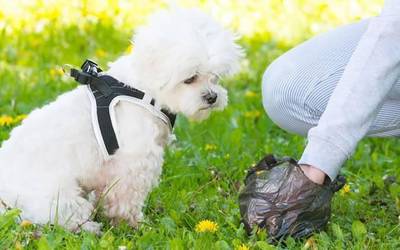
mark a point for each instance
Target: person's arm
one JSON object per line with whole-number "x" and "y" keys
{"x": 370, "y": 75}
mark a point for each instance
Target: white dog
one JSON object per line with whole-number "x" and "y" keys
{"x": 53, "y": 160}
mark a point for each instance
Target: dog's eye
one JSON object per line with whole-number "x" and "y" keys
{"x": 190, "y": 80}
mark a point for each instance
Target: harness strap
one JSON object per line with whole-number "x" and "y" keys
{"x": 88, "y": 79}
{"x": 105, "y": 89}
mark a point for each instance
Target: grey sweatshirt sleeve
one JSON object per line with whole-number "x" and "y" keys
{"x": 369, "y": 76}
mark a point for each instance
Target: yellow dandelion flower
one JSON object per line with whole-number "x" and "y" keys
{"x": 100, "y": 53}
{"x": 206, "y": 226}
{"x": 250, "y": 94}
{"x": 252, "y": 114}
{"x": 210, "y": 147}
{"x": 60, "y": 71}
{"x": 345, "y": 190}
{"x": 243, "y": 247}
{"x": 6, "y": 120}
{"x": 52, "y": 72}
{"x": 56, "y": 72}
{"x": 25, "y": 223}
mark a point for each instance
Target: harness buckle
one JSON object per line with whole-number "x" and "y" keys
{"x": 91, "y": 67}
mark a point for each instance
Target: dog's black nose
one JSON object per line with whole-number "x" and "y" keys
{"x": 210, "y": 97}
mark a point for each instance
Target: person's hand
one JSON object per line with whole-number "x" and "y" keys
{"x": 313, "y": 173}
{"x": 279, "y": 197}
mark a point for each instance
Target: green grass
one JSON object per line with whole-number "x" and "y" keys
{"x": 198, "y": 182}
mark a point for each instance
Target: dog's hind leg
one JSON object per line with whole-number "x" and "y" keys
{"x": 65, "y": 207}
{"x": 74, "y": 213}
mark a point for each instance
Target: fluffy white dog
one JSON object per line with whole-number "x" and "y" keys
{"x": 53, "y": 160}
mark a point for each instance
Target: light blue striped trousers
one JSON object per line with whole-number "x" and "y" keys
{"x": 297, "y": 86}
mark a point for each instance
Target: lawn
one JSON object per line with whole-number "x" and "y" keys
{"x": 204, "y": 169}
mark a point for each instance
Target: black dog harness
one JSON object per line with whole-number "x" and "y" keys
{"x": 104, "y": 93}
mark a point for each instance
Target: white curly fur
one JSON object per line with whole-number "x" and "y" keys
{"x": 52, "y": 160}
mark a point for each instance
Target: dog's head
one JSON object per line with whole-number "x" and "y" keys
{"x": 180, "y": 56}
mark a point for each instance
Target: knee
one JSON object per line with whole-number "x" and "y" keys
{"x": 277, "y": 87}
{"x": 274, "y": 78}
{"x": 282, "y": 94}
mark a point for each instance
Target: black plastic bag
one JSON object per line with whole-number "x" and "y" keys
{"x": 280, "y": 198}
